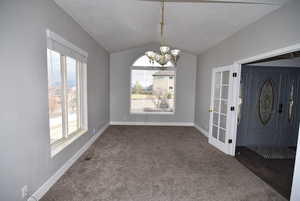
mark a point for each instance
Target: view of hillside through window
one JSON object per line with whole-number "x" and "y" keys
{"x": 72, "y": 95}
{"x": 63, "y": 98}
{"x": 152, "y": 91}
{"x": 55, "y": 96}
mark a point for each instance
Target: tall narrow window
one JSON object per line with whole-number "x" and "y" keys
{"x": 66, "y": 67}
{"x": 73, "y": 100}
{"x": 55, "y": 96}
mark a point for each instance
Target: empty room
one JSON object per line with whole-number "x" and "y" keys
{"x": 150, "y": 100}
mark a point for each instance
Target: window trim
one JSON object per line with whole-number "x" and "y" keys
{"x": 81, "y": 76}
{"x": 81, "y": 101}
{"x": 57, "y": 38}
{"x": 130, "y": 90}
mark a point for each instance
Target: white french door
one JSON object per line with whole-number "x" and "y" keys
{"x": 222, "y": 110}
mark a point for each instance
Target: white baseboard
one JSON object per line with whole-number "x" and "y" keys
{"x": 61, "y": 171}
{"x": 127, "y": 123}
{"x": 130, "y": 123}
{"x": 202, "y": 130}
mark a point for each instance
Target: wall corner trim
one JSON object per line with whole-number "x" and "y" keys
{"x": 202, "y": 130}
{"x": 37, "y": 195}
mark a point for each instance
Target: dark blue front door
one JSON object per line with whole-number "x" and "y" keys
{"x": 270, "y": 111}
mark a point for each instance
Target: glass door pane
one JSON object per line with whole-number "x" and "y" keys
{"x": 224, "y": 106}
{"x": 220, "y": 106}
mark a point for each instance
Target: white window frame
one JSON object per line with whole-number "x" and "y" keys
{"x": 149, "y": 69}
{"x": 81, "y": 75}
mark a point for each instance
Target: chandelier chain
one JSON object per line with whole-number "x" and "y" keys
{"x": 166, "y": 55}
{"x": 162, "y": 23}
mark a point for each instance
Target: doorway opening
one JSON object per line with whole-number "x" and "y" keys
{"x": 268, "y": 119}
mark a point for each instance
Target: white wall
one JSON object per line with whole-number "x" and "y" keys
{"x": 295, "y": 195}
{"x": 120, "y": 63}
{"x": 24, "y": 130}
{"x": 276, "y": 30}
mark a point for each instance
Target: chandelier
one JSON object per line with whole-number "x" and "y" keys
{"x": 165, "y": 55}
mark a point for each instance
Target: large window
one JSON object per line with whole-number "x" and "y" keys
{"x": 152, "y": 90}
{"x": 66, "y": 91}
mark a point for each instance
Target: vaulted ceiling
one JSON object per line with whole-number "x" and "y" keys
{"x": 194, "y": 27}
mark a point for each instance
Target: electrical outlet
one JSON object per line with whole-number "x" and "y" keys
{"x": 94, "y": 131}
{"x": 24, "y": 191}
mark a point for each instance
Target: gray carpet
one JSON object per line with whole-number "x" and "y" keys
{"x": 142, "y": 163}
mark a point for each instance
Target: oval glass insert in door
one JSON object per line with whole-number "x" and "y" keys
{"x": 266, "y": 102}
{"x": 291, "y": 103}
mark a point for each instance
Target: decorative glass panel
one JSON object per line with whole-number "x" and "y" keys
{"x": 266, "y": 102}
{"x": 241, "y": 96}
{"x": 291, "y": 103}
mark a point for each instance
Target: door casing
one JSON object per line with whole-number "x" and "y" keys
{"x": 237, "y": 67}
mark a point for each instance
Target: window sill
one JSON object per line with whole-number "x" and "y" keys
{"x": 59, "y": 146}
{"x": 152, "y": 113}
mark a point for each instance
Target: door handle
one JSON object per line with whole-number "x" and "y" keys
{"x": 280, "y": 108}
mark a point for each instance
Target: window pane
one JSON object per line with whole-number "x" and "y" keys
{"x": 152, "y": 91}
{"x": 215, "y": 132}
{"x": 216, "y": 119}
{"x": 72, "y": 95}
{"x": 217, "y": 79}
{"x": 216, "y": 105}
{"x": 217, "y": 92}
{"x": 225, "y": 92}
{"x": 223, "y": 121}
{"x": 224, "y": 107}
{"x": 144, "y": 61}
{"x": 222, "y": 135}
{"x": 55, "y": 96}
{"x": 225, "y": 77}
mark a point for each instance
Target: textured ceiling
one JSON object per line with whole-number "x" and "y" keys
{"x": 194, "y": 27}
